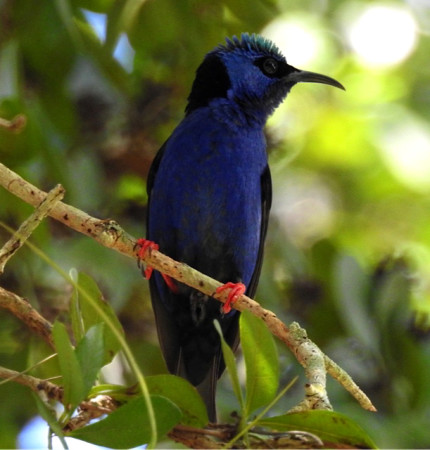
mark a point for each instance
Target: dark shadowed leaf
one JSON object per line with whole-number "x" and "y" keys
{"x": 100, "y": 6}
{"x": 91, "y": 314}
{"x": 350, "y": 284}
{"x": 51, "y": 420}
{"x": 129, "y": 425}
{"x": 183, "y": 394}
{"x": 90, "y": 353}
{"x": 73, "y": 383}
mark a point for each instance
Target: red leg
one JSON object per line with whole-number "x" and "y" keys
{"x": 171, "y": 284}
{"x": 146, "y": 245}
{"x": 237, "y": 289}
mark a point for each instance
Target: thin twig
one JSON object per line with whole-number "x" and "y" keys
{"x": 17, "y": 124}
{"x": 106, "y": 232}
{"x": 211, "y": 437}
{"x": 193, "y": 439}
{"x": 38, "y": 385}
{"x": 89, "y": 410}
{"x": 28, "y": 226}
{"x": 219, "y": 437}
{"x": 348, "y": 383}
{"x": 23, "y": 310}
{"x": 110, "y": 234}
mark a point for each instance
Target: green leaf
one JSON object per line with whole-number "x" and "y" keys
{"x": 129, "y": 426}
{"x": 183, "y": 394}
{"x": 9, "y": 69}
{"x": 90, "y": 352}
{"x": 261, "y": 360}
{"x": 351, "y": 285}
{"x": 93, "y": 307}
{"x": 230, "y": 363}
{"x": 330, "y": 426}
{"x": 99, "y": 6}
{"x": 73, "y": 383}
{"x": 75, "y": 310}
{"x": 66, "y": 16}
{"x": 121, "y": 16}
{"x": 51, "y": 420}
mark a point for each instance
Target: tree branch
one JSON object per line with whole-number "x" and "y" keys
{"x": 111, "y": 235}
{"x": 212, "y": 436}
{"x": 23, "y": 310}
{"x": 17, "y": 124}
{"x": 106, "y": 232}
{"x": 87, "y": 410}
{"x": 24, "y": 231}
{"x": 52, "y": 391}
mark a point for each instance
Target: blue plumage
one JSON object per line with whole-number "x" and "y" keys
{"x": 209, "y": 198}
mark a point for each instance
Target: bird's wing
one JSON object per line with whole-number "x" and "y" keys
{"x": 266, "y": 203}
{"x": 166, "y": 327}
{"x": 152, "y": 173}
{"x": 232, "y": 335}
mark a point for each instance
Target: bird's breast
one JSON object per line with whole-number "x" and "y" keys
{"x": 205, "y": 205}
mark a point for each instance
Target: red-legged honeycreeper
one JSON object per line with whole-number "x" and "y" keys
{"x": 210, "y": 192}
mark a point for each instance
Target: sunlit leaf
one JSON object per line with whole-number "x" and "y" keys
{"x": 330, "y": 426}
{"x": 230, "y": 363}
{"x": 261, "y": 360}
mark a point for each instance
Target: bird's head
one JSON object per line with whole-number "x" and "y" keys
{"x": 251, "y": 73}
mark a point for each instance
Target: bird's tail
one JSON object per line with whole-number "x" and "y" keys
{"x": 207, "y": 390}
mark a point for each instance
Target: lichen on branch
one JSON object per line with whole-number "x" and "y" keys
{"x": 111, "y": 235}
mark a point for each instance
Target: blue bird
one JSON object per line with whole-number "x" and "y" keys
{"x": 209, "y": 190}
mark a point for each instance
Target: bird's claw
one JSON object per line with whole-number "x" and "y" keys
{"x": 145, "y": 245}
{"x": 236, "y": 290}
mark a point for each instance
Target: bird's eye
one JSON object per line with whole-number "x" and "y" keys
{"x": 270, "y": 66}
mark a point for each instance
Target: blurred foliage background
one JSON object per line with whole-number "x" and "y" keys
{"x": 104, "y": 82}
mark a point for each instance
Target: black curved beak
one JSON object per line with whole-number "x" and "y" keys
{"x": 302, "y": 76}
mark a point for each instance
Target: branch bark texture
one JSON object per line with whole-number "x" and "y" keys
{"x": 111, "y": 235}
{"x": 23, "y": 310}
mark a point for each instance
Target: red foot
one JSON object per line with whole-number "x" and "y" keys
{"x": 146, "y": 245}
{"x": 237, "y": 289}
{"x": 170, "y": 283}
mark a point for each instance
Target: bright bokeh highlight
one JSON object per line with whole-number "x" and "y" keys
{"x": 35, "y": 434}
{"x": 297, "y": 41}
{"x": 383, "y": 35}
{"x": 405, "y": 147}
{"x": 98, "y": 22}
